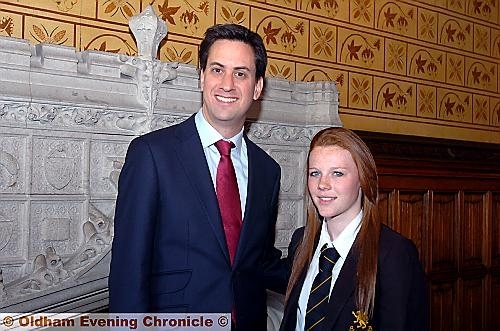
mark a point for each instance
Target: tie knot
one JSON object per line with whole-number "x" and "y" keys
{"x": 224, "y": 147}
{"x": 328, "y": 258}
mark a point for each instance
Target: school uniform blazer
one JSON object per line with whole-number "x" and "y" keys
{"x": 169, "y": 252}
{"x": 401, "y": 293}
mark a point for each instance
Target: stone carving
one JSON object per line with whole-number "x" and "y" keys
{"x": 58, "y": 165}
{"x": 96, "y": 119}
{"x": 280, "y": 134}
{"x": 12, "y": 163}
{"x": 162, "y": 121}
{"x": 13, "y": 112}
{"x": 97, "y": 237}
{"x": 292, "y": 169}
{"x": 12, "y": 231}
{"x": 49, "y": 269}
{"x": 57, "y": 224}
{"x": 107, "y": 158}
{"x": 42, "y": 114}
{"x": 6, "y": 231}
{"x": 2, "y": 286}
{"x": 148, "y": 72}
{"x": 9, "y": 170}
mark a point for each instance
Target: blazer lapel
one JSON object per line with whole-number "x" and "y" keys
{"x": 290, "y": 314}
{"x": 190, "y": 154}
{"x": 343, "y": 290}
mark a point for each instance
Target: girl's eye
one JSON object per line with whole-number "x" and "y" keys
{"x": 313, "y": 173}
{"x": 338, "y": 174}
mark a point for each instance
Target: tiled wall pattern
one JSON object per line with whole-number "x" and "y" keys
{"x": 428, "y": 67}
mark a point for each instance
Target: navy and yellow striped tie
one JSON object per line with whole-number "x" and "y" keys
{"x": 320, "y": 290}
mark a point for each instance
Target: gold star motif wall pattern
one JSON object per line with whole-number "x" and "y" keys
{"x": 417, "y": 63}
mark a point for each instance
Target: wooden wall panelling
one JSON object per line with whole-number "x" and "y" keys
{"x": 494, "y": 294}
{"x": 445, "y": 196}
{"x": 473, "y": 260}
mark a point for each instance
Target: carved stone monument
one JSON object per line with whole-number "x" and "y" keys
{"x": 66, "y": 119}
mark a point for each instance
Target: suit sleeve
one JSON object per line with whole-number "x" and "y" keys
{"x": 134, "y": 224}
{"x": 402, "y": 290}
{"x": 275, "y": 274}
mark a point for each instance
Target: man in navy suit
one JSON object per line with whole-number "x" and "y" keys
{"x": 169, "y": 251}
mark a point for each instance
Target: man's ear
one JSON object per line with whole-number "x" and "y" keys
{"x": 259, "y": 84}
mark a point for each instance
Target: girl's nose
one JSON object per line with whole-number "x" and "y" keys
{"x": 324, "y": 183}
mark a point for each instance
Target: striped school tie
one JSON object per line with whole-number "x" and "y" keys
{"x": 320, "y": 290}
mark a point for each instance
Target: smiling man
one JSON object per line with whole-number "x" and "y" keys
{"x": 197, "y": 202}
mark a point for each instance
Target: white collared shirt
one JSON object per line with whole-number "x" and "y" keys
{"x": 209, "y": 136}
{"x": 342, "y": 244}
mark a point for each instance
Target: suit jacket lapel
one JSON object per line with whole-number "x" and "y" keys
{"x": 252, "y": 190}
{"x": 190, "y": 154}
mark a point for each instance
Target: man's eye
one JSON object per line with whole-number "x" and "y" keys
{"x": 240, "y": 74}
{"x": 217, "y": 70}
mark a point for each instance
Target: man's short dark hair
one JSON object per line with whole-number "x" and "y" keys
{"x": 237, "y": 33}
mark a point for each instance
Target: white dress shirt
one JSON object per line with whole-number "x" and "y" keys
{"x": 209, "y": 136}
{"x": 342, "y": 244}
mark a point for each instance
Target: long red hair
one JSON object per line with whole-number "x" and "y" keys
{"x": 367, "y": 241}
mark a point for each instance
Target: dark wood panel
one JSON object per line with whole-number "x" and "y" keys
{"x": 495, "y": 238}
{"x": 443, "y": 233}
{"x": 472, "y": 316}
{"x": 443, "y": 315}
{"x": 473, "y": 238}
{"x": 445, "y": 196}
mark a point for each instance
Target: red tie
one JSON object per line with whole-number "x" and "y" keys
{"x": 228, "y": 196}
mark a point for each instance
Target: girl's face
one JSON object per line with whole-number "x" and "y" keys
{"x": 333, "y": 183}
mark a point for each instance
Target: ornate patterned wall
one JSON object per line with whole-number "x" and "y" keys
{"x": 428, "y": 67}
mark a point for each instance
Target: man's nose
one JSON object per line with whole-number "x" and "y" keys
{"x": 228, "y": 81}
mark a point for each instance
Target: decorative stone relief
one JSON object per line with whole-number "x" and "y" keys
{"x": 73, "y": 117}
{"x": 13, "y": 113}
{"x": 55, "y": 224}
{"x": 290, "y": 216}
{"x": 13, "y": 234}
{"x": 163, "y": 121}
{"x": 149, "y": 73}
{"x": 292, "y": 170}
{"x": 48, "y": 268}
{"x": 57, "y": 165}
{"x": 280, "y": 134}
{"x": 107, "y": 158}
{"x": 97, "y": 237}
{"x": 12, "y": 164}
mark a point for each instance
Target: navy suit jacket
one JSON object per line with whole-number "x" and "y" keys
{"x": 401, "y": 293}
{"x": 169, "y": 251}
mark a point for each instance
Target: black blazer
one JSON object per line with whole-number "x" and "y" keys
{"x": 401, "y": 293}
{"x": 169, "y": 251}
